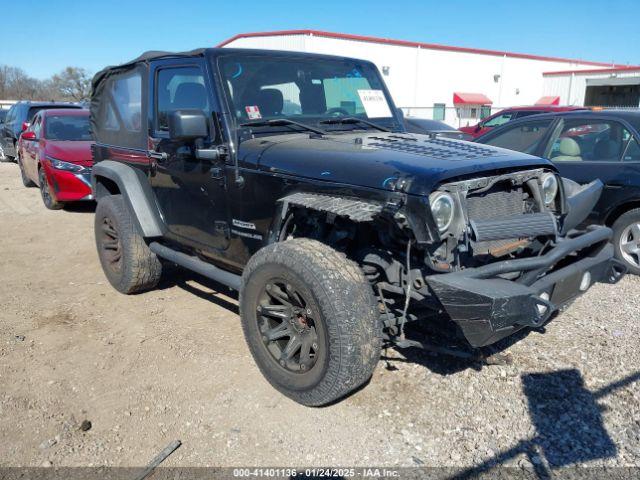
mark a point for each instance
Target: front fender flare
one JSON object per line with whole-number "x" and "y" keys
{"x": 136, "y": 192}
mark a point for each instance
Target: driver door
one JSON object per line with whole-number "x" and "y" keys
{"x": 190, "y": 192}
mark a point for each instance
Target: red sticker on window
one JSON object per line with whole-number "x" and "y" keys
{"x": 253, "y": 112}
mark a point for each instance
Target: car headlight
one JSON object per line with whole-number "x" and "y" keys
{"x": 66, "y": 166}
{"x": 549, "y": 188}
{"x": 442, "y": 209}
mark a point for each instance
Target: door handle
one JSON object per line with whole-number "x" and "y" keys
{"x": 159, "y": 156}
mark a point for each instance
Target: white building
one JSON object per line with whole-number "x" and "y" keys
{"x": 611, "y": 87}
{"x": 455, "y": 84}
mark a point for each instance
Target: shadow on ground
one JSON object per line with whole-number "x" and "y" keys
{"x": 568, "y": 423}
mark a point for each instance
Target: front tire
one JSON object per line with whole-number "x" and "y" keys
{"x": 26, "y": 181}
{"x": 128, "y": 263}
{"x": 48, "y": 197}
{"x": 310, "y": 320}
{"x": 626, "y": 239}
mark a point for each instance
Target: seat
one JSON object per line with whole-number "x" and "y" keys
{"x": 270, "y": 101}
{"x": 312, "y": 100}
{"x": 569, "y": 151}
{"x": 606, "y": 149}
{"x": 190, "y": 95}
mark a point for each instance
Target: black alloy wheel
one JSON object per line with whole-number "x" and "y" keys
{"x": 289, "y": 331}
{"x": 111, "y": 245}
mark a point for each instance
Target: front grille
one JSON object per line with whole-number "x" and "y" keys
{"x": 496, "y": 203}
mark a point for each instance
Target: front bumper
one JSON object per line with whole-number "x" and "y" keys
{"x": 488, "y": 307}
{"x": 70, "y": 186}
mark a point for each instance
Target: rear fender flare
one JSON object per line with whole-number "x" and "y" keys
{"x": 135, "y": 190}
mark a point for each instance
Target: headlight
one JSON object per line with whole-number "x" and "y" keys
{"x": 66, "y": 166}
{"x": 549, "y": 188}
{"x": 442, "y": 209}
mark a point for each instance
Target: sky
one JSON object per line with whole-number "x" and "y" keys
{"x": 44, "y": 36}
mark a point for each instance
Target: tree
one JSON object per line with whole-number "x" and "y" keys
{"x": 72, "y": 83}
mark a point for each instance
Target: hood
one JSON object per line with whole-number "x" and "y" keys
{"x": 73, "y": 152}
{"x": 377, "y": 160}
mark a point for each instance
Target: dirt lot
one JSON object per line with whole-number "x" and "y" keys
{"x": 172, "y": 364}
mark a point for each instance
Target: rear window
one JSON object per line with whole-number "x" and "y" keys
{"x": 33, "y": 110}
{"x": 67, "y": 127}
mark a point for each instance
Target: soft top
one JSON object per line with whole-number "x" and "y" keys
{"x": 145, "y": 57}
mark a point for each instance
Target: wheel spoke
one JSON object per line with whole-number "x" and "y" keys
{"x": 280, "y": 331}
{"x": 109, "y": 230}
{"x": 635, "y": 232}
{"x": 281, "y": 312}
{"x": 110, "y": 245}
{"x": 630, "y": 247}
{"x": 305, "y": 351}
{"x": 292, "y": 347}
{"x": 275, "y": 292}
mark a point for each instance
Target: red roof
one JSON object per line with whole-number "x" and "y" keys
{"x": 471, "y": 99}
{"x": 404, "y": 43}
{"x": 617, "y": 69}
{"x": 548, "y": 101}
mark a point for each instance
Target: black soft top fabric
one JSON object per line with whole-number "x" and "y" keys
{"x": 99, "y": 83}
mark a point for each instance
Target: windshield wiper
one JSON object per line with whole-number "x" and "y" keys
{"x": 353, "y": 120}
{"x": 282, "y": 122}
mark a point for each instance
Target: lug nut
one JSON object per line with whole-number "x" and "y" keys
{"x": 308, "y": 311}
{"x": 282, "y": 362}
{"x": 303, "y": 366}
{"x": 314, "y": 346}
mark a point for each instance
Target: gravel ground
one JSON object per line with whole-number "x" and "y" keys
{"x": 172, "y": 364}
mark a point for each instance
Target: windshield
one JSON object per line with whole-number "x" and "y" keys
{"x": 307, "y": 90}
{"x": 67, "y": 127}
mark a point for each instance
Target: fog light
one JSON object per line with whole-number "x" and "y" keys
{"x": 586, "y": 282}
{"x": 542, "y": 309}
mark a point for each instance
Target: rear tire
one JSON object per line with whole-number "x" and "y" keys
{"x": 626, "y": 239}
{"x": 128, "y": 263}
{"x": 310, "y": 319}
{"x": 48, "y": 197}
{"x": 26, "y": 181}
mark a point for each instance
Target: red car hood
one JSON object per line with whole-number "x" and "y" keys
{"x": 74, "y": 152}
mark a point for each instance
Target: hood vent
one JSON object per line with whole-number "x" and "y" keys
{"x": 439, "y": 148}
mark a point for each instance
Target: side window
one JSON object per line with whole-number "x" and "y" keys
{"x": 528, "y": 113}
{"x": 179, "y": 88}
{"x": 522, "y": 138}
{"x": 37, "y": 124}
{"x": 499, "y": 120}
{"x": 124, "y": 111}
{"x": 588, "y": 140}
{"x": 10, "y": 115}
{"x": 632, "y": 153}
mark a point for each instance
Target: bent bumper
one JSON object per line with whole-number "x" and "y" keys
{"x": 488, "y": 307}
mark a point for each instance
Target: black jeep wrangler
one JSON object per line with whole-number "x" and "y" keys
{"x": 289, "y": 177}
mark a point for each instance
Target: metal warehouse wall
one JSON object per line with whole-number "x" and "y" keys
{"x": 571, "y": 87}
{"x": 420, "y": 77}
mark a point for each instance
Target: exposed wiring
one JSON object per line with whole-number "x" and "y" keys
{"x": 408, "y": 293}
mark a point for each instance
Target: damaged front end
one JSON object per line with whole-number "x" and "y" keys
{"x": 513, "y": 254}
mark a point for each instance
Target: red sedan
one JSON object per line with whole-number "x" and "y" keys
{"x": 509, "y": 114}
{"x": 54, "y": 153}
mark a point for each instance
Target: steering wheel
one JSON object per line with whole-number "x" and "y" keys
{"x": 337, "y": 112}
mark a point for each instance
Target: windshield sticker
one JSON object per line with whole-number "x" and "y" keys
{"x": 253, "y": 112}
{"x": 374, "y": 103}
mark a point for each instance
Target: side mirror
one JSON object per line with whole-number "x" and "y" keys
{"x": 188, "y": 125}
{"x": 25, "y": 125}
{"x": 478, "y": 127}
{"x": 28, "y": 136}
